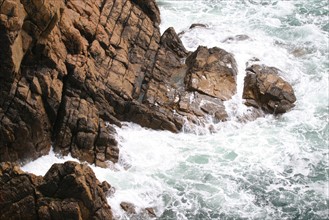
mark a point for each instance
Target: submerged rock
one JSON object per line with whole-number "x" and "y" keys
{"x": 195, "y": 25}
{"x": 239, "y": 37}
{"x": 131, "y": 210}
{"x": 128, "y": 207}
{"x": 67, "y": 191}
{"x": 265, "y": 89}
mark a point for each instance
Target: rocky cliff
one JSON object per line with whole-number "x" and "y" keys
{"x": 70, "y": 69}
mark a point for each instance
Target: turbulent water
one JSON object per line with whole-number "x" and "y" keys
{"x": 268, "y": 168}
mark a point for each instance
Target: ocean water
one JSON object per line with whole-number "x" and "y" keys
{"x": 272, "y": 167}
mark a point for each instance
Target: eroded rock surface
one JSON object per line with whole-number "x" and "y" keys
{"x": 25, "y": 128}
{"x": 265, "y": 89}
{"x": 67, "y": 191}
{"x": 70, "y": 70}
{"x": 212, "y": 72}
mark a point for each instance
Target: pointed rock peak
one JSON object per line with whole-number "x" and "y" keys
{"x": 170, "y": 40}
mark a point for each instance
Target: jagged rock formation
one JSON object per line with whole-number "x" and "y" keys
{"x": 71, "y": 69}
{"x": 68, "y": 67}
{"x": 265, "y": 89}
{"x": 67, "y": 191}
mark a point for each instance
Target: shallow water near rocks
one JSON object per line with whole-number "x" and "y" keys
{"x": 265, "y": 168}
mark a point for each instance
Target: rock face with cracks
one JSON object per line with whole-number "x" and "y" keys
{"x": 67, "y": 191}
{"x": 71, "y": 69}
{"x": 212, "y": 72}
{"x": 265, "y": 89}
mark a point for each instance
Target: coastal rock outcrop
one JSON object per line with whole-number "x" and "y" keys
{"x": 71, "y": 70}
{"x": 25, "y": 128}
{"x": 212, "y": 72}
{"x": 67, "y": 191}
{"x": 265, "y": 89}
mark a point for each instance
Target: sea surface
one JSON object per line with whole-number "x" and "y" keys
{"x": 272, "y": 167}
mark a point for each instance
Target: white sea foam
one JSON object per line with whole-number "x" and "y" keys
{"x": 41, "y": 165}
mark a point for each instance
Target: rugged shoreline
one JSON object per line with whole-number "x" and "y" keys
{"x": 69, "y": 68}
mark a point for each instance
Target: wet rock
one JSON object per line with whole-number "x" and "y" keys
{"x": 193, "y": 26}
{"x": 67, "y": 191}
{"x": 107, "y": 189}
{"x": 69, "y": 73}
{"x": 163, "y": 92}
{"x": 297, "y": 50}
{"x": 197, "y": 25}
{"x": 265, "y": 89}
{"x": 212, "y": 72}
{"x": 239, "y": 37}
{"x": 150, "y": 212}
{"x": 131, "y": 210}
{"x": 128, "y": 207}
{"x": 197, "y": 104}
{"x": 93, "y": 141}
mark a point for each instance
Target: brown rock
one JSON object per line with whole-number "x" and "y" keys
{"x": 150, "y": 212}
{"x": 265, "y": 89}
{"x": 25, "y": 128}
{"x": 68, "y": 191}
{"x": 144, "y": 213}
{"x": 107, "y": 189}
{"x": 165, "y": 91}
{"x": 128, "y": 207}
{"x": 69, "y": 68}
{"x": 150, "y": 8}
{"x": 212, "y": 72}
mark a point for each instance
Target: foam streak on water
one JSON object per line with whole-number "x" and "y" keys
{"x": 269, "y": 168}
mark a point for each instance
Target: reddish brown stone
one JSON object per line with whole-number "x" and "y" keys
{"x": 265, "y": 89}
{"x": 67, "y": 191}
{"x": 212, "y": 72}
{"x": 69, "y": 68}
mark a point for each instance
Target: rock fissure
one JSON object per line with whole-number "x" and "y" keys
{"x": 95, "y": 144}
{"x": 116, "y": 23}
{"x": 109, "y": 14}
{"x": 11, "y": 101}
{"x": 3, "y": 1}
